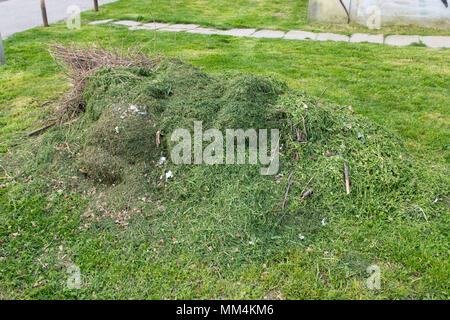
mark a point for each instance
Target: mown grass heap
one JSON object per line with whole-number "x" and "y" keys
{"x": 220, "y": 214}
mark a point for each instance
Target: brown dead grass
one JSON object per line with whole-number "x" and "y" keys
{"x": 80, "y": 62}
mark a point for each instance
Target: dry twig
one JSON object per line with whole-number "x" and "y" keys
{"x": 315, "y": 103}
{"x": 307, "y": 193}
{"x": 347, "y": 178}
{"x": 32, "y": 133}
{"x": 287, "y": 191}
{"x": 78, "y": 63}
{"x": 158, "y": 138}
{"x": 308, "y": 183}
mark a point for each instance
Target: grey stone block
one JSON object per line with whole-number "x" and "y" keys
{"x": 180, "y": 26}
{"x": 372, "y": 38}
{"x": 171, "y": 29}
{"x": 268, "y": 34}
{"x": 436, "y": 41}
{"x": 300, "y": 35}
{"x": 203, "y": 31}
{"x": 397, "y": 40}
{"x": 139, "y": 28}
{"x": 100, "y": 21}
{"x": 128, "y": 23}
{"x": 332, "y": 37}
{"x": 155, "y": 25}
{"x": 237, "y": 32}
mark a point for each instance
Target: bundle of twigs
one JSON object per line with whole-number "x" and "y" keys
{"x": 78, "y": 63}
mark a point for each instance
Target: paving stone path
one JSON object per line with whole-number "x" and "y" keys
{"x": 394, "y": 40}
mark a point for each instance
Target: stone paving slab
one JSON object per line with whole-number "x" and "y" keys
{"x": 100, "y": 21}
{"x": 300, "y": 35}
{"x": 151, "y": 27}
{"x": 332, "y": 37}
{"x": 137, "y": 28}
{"x": 394, "y": 40}
{"x": 128, "y": 23}
{"x": 362, "y": 37}
{"x": 397, "y": 40}
{"x": 182, "y": 26}
{"x": 268, "y": 34}
{"x": 237, "y": 32}
{"x": 203, "y": 31}
{"x": 155, "y": 25}
{"x": 141, "y": 28}
{"x": 436, "y": 41}
{"x": 171, "y": 29}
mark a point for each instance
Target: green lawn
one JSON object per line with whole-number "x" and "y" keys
{"x": 278, "y": 15}
{"x": 404, "y": 89}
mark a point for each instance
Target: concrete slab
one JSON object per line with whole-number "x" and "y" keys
{"x": 332, "y": 37}
{"x": 237, "y": 32}
{"x": 139, "y": 28}
{"x": 203, "y": 31}
{"x": 180, "y": 26}
{"x": 171, "y": 29}
{"x": 401, "y": 40}
{"x": 300, "y": 35}
{"x": 268, "y": 34}
{"x": 100, "y": 21}
{"x": 436, "y": 41}
{"x": 155, "y": 25}
{"x": 128, "y": 23}
{"x": 363, "y": 37}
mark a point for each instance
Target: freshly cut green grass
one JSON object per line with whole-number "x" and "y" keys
{"x": 402, "y": 89}
{"x": 263, "y": 14}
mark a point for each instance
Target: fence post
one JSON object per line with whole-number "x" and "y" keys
{"x": 96, "y": 5}
{"x": 2, "y": 52}
{"x": 44, "y": 13}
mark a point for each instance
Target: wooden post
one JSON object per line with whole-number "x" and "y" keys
{"x": 96, "y": 5}
{"x": 44, "y": 13}
{"x": 2, "y": 52}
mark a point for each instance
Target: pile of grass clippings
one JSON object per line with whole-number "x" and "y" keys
{"x": 220, "y": 214}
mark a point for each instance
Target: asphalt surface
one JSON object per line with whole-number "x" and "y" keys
{"x": 20, "y": 15}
